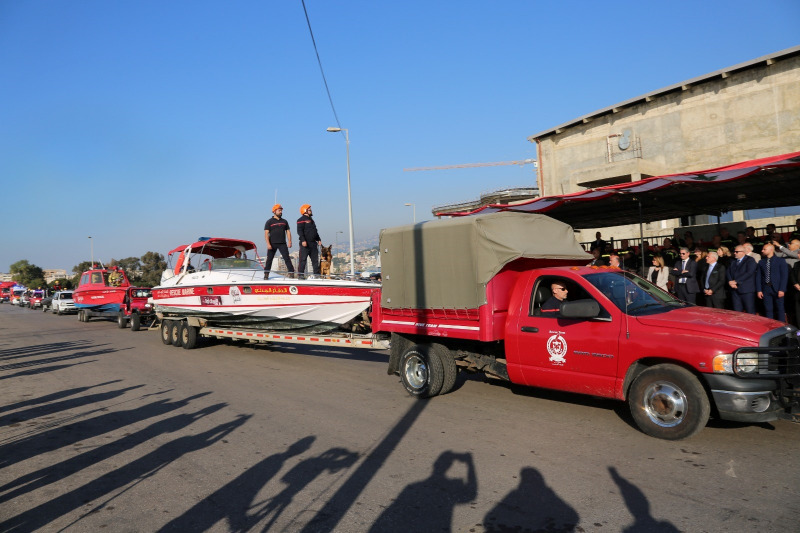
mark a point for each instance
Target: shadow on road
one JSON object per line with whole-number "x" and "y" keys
{"x": 428, "y": 505}
{"x": 639, "y": 507}
{"x": 108, "y": 485}
{"x": 337, "y": 506}
{"x": 65, "y": 405}
{"x": 38, "y": 349}
{"x": 47, "y": 398}
{"x": 60, "y": 358}
{"x": 63, "y": 435}
{"x": 51, "y": 474}
{"x": 234, "y": 501}
{"x": 532, "y": 506}
{"x": 44, "y": 370}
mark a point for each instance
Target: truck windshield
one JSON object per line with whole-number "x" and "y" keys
{"x": 633, "y": 295}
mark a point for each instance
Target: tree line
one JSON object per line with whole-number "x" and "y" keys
{"x": 142, "y": 271}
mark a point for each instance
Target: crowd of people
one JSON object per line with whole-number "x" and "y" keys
{"x": 757, "y": 274}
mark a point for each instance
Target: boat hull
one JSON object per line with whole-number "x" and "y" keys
{"x": 105, "y": 300}
{"x": 307, "y": 306}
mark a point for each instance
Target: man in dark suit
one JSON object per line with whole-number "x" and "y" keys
{"x": 598, "y": 243}
{"x": 714, "y": 282}
{"x": 685, "y": 273}
{"x": 742, "y": 281}
{"x": 771, "y": 282}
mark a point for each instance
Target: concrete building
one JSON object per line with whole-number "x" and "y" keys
{"x": 744, "y": 112}
{"x": 52, "y": 274}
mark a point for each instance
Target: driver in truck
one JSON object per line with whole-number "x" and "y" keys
{"x": 553, "y": 304}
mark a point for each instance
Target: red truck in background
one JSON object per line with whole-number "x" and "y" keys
{"x": 467, "y": 294}
{"x": 136, "y": 308}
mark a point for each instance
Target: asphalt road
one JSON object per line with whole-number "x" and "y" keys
{"x": 103, "y": 429}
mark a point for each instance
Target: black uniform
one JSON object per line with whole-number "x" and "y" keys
{"x": 277, "y": 228}
{"x": 307, "y": 231}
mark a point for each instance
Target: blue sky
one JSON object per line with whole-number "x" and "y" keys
{"x": 146, "y": 124}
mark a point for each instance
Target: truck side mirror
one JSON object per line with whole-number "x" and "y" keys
{"x": 587, "y": 308}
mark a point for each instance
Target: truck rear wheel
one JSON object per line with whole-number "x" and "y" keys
{"x": 421, "y": 371}
{"x": 136, "y": 322}
{"x": 175, "y": 333}
{"x": 166, "y": 326}
{"x": 449, "y": 369}
{"x": 668, "y": 402}
{"x": 188, "y": 336}
{"x": 121, "y": 321}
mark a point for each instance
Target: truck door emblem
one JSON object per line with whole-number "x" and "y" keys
{"x": 557, "y": 348}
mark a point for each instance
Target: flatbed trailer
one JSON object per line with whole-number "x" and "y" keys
{"x": 186, "y": 331}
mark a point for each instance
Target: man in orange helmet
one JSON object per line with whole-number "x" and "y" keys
{"x": 277, "y": 234}
{"x": 309, "y": 240}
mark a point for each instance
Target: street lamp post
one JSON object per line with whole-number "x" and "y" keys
{"x": 91, "y": 246}
{"x": 414, "y": 211}
{"x": 349, "y": 198}
{"x": 337, "y": 240}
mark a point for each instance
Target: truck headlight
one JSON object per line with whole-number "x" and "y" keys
{"x": 747, "y": 363}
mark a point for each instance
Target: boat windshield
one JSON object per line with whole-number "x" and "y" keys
{"x": 207, "y": 263}
{"x": 633, "y": 295}
{"x": 141, "y": 293}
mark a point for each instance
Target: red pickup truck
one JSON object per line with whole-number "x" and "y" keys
{"x": 467, "y": 294}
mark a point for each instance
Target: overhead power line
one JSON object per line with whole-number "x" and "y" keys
{"x": 314, "y": 42}
{"x": 471, "y": 165}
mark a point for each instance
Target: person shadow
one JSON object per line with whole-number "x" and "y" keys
{"x": 298, "y": 478}
{"x": 428, "y": 505}
{"x": 532, "y": 506}
{"x": 106, "y": 485}
{"x": 639, "y": 507}
{"x": 233, "y": 501}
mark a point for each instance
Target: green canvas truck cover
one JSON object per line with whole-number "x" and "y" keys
{"x": 446, "y": 264}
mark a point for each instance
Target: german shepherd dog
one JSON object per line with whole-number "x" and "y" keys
{"x": 325, "y": 262}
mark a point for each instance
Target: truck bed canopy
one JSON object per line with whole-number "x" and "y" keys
{"x": 446, "y": 264}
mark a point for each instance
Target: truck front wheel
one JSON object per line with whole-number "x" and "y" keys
{"x": 136, "y": 321}
{"x": 668, "y": 402}
{"x": 421, "y": 371}
{"x": 121, "y": 320}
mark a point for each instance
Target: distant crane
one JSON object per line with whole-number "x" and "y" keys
{"x": 472, "y": 165}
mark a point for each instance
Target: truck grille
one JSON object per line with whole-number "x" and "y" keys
{"x": 778, "y": 355}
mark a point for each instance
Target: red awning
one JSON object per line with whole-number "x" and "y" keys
{"x": 760, "y": 183}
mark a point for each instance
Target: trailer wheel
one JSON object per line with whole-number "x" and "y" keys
{"x": 175, "y": 333}
{"x": 166, "y": 326}
{"x": 188, "y": 336}
{"x": 121, "y": 321}
{"x": 668, "y": 402}
{"x": 421, "y": 371}
{"x": 449, "y": 370}
{"x": 136, "y": 322}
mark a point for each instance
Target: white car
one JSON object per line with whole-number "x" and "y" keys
{"x": 62, "y": 303}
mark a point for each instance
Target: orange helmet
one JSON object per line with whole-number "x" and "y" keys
{"x": 304, "y": 208}
{"x": 276, "y": 207}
